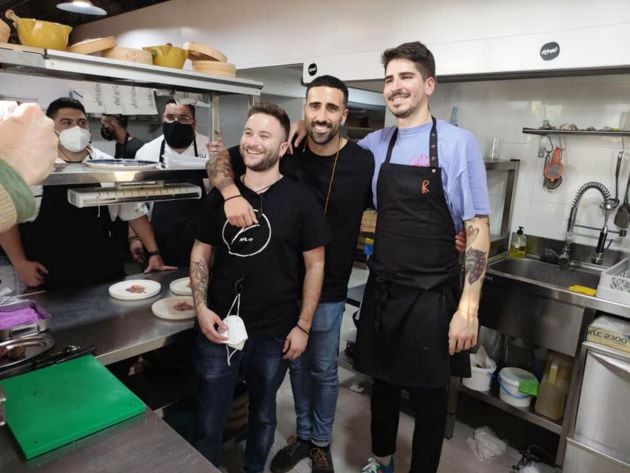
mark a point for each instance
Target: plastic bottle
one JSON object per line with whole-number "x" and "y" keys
{"x": 518, "y": 244}
{"x": 554, "y": 387}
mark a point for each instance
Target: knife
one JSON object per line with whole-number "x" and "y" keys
{"x": 68, "y": 353}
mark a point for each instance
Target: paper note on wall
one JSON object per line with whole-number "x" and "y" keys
{"x": 115, "y": 99}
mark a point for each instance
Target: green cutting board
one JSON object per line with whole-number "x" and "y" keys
{"x": 53, "y": 406}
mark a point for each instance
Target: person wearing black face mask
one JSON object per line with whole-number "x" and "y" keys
{"x": 180, "y": 144}
{"x": 114, "y": 127}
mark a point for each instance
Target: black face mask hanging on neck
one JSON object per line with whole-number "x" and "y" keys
{"x": 178, "y": 135}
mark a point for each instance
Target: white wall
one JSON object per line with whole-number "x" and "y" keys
{"x": 277, "y": 32}
{"x": 502, "y": 108}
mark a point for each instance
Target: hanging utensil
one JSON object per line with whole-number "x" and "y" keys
{"x": 554, "y": 169}
{"x": 622, "y": 217}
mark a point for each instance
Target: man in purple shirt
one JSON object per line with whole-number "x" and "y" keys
{"x": 416, "y": 323}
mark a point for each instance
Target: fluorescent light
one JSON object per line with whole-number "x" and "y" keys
{"x": 81, "y": 6}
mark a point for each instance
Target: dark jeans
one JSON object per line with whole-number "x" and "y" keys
{"x": 263, "y": 368}
{"x": 429, "y": 405}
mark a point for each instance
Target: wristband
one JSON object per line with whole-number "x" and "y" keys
{"x": 153, "y": 253}
{"x": 302, "y": 329}
{"x": 233, "y": 197}
{"x": 130, "y": 239}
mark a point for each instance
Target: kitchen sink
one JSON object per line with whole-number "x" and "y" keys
{"x": 546, "y": 273}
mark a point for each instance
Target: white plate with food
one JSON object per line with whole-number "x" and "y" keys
{"x": 181, "y": 287}
{"x": 134, "y": 289}
{"x": 121, "y": 164}
{"x": 174, "y": 308}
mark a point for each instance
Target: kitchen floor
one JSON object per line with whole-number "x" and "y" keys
{"x": 351, "y": 437}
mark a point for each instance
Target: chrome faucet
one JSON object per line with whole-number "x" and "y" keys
{"x": 598, "y": 256}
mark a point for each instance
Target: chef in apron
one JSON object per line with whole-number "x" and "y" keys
{"x": 69, "y": 246}
{"x": 173, "y": 220}
{"x": 414, "y": 315}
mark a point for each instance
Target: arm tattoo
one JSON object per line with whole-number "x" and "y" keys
{"x": 219, "y": 167}
{"x": 475, "y": 264}
{"x": 471, "y": 235}
{"x": 199, "y": 282}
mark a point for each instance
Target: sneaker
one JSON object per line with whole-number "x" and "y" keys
{"x": 296, "y": 450}
{"x": 321, "y": 461}
{"x": 374, "y": 466}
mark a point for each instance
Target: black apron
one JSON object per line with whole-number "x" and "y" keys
{"x": 174, "y": 223}
{"x": 78, "y": 246}
{"x": 413, "y": 289}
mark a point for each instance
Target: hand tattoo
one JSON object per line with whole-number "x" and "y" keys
{"x": 475, "y": 264}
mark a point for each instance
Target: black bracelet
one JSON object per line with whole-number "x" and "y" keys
{"x": 153, "y": 253}
{"x": 233, "y": 197}
{"x": 302, "y": 329}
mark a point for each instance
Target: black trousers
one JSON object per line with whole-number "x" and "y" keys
{"x": 429, "y": 405}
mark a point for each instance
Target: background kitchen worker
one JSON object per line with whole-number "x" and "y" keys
{"x": 339, "y": 173}
{"x": 28, "y": 148}
{"x": 173, "y": 221}
{"x": 65, "y": 245}
{"x": 256, "y": 275}
{"x": 430, "y": 177}
{"x": 114, "y": 127}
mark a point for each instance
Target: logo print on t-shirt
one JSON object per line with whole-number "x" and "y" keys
{"x": 248, "y": 241}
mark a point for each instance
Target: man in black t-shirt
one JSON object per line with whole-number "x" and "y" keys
{"x": 339, "y": 173}
{"x": 114, "y": 127}
{"x": 247, "y": 308}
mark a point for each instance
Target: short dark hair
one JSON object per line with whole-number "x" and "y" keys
{"x": 332, "y": 82}
{"x": 190, "y": 106}
{"x": 274, "y": 111}
{"x": 64, "y": 102}
{"x": 415, "y": 52}
{"x": 121, "y": 119}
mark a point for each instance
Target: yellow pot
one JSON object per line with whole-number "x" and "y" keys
{"x": 40, "y": 34}
{"x": 167, "y": 56}
{"x": 5, "y": 32}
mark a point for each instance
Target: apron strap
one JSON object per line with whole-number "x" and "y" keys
{"x": 433, "y": 148}
{"x": 162, "y": 148}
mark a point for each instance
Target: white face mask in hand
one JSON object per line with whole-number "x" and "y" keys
{"x": 236, "y": 331}
{"x": 74, "y": 139}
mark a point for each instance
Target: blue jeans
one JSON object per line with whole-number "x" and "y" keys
{"x": 315, "y": 377}
{"x": 263, "y": 368}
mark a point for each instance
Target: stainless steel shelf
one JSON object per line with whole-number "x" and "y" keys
{"x": 502, "y": 165}
{"x": 528, "y": 414}
{"x": 78, "y": 173}
{"x": 73, "y": 66}
{"x": 536, "y": 131}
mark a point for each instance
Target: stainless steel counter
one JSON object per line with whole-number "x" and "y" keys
{"x": 118, "y": 329}
{"x": 139, "y": 445}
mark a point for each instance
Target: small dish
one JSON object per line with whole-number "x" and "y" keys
{"x": 181, "y": 287}
{"x": 122, "y": 164}
{"x": 134, "y": 289}
{"x": 174, "y": 308}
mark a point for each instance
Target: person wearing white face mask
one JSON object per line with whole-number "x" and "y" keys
{"x": 66, "y": 245}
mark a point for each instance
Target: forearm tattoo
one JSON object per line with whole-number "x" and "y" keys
{"x": 471, "y": 235}
{"x": 219, "y": 167}
{"x": 199, "y": 282}
{"x": 475, "y": 264}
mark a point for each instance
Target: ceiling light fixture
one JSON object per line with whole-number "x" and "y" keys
{"x": 84, "y": 7}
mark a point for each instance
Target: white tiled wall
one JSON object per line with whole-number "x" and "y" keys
{"x": 502, "y": 108}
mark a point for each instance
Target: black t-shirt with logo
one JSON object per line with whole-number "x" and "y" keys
{"x": 262, "y": 261}
{"x": 351, "y": 194}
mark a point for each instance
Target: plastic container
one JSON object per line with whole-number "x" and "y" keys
{"x": 614, "y": 283}
{"x": 480, "y": 377}
{"x": 518, "y": 244}
{"x": 554, "y": 386}
{"x": 509, "y": 379}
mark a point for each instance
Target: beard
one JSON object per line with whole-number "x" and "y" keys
{"x": 400, "y": 112}
{"x": 268, "y": 160}
{"x": 325, "y": 137}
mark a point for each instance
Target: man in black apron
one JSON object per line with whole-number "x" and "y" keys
{"x": 173, "y": 221}
{"x": 413, "y": 314}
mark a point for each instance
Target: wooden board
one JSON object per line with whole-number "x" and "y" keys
{"x": 91, "y": 46}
